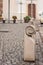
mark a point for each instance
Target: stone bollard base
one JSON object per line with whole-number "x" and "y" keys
{"x": 29, "y": 48}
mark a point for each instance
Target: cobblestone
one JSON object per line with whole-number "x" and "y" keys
{"x": 11, "y": 45}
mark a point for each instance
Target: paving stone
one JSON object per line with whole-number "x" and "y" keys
{"x": 12, "y": 46}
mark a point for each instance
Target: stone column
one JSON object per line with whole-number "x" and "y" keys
{"x": 8, "y": 11}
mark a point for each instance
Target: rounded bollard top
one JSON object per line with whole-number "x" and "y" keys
{"x": 30, "y": 30}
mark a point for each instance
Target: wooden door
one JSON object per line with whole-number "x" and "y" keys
{"x": 33, "y": 10}
{"x": 1, "y": 7}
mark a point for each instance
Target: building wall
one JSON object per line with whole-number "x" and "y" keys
{"x": 14, "y": 9}
{"x": 39, "y": 7}
{"x": 5, "y": 9}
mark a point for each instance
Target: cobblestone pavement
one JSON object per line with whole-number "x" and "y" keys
{"x": 11, "y": 45}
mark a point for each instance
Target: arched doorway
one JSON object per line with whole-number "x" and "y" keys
{"x": 33, "y": 10}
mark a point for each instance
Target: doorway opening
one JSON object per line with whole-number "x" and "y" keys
{"x": 32, "y": 10}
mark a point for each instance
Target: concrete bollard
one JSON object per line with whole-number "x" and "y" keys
{"x": 29, "y": 48}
